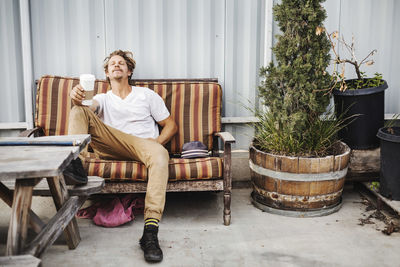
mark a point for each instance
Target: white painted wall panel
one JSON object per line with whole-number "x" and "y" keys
{"x": 170, "y": 39}
{"x": 243, "y": 58}
{"x": 11, "y": 89}
{"x": 67, "y": 37}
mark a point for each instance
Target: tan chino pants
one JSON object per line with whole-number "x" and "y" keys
{"x": 110, "y": 143}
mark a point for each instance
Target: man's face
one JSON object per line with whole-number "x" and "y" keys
{"x": 117, "y": 68}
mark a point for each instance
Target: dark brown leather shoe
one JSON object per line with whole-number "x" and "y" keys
{"x": 149, "y": 244}
{"x": 75, "y": 174}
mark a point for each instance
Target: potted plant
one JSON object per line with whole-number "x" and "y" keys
{"x": 389, "y": 185}
{"x": 362, "y": 98}
{"x": 297, "y": 164}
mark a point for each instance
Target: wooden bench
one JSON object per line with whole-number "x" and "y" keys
{"x": 21, "y": 260}
{"x": 24, "y": 162}
{"x": 48, "y": 233}
{"x": 194, "y": 104}
{"x": 94, "y": 186}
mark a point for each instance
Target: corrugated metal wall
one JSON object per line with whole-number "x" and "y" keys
{"x": 11, "y": 89}
{"x": 170, "y": 39}
{"x": 376, "y": 25}
{"x": 244, "y": 53}
{"x": 68, "y": 37}
{"x": 180, "y": 39}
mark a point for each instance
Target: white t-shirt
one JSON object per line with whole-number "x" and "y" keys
{"x": 136, "y": 114}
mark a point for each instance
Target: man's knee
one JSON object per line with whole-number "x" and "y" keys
{"x": 160, "y": 156}
{"x": 77, "y": 111}
{"x": 78, "y": 120}
{"x": 80, "y": 112}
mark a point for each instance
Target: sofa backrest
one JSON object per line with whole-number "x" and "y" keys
{"x": 195, "y": 105}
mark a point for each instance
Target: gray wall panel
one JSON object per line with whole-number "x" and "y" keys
{"x": 170, "y": 39}
{"x": 68, "y": 37}
{"x": 11, "y": 74}
{"x": 243, "y": 58}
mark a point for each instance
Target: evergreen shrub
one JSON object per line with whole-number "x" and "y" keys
{"x": 295, "y": 88}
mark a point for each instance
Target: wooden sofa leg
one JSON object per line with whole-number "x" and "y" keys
{"x": 227, "y": 208}
{"x": 227, "y": 183}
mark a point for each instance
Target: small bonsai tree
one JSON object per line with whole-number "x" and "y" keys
{"x": 294, "y": 88}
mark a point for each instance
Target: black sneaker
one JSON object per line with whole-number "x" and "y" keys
{"x": 149, "y": 244}
{"x": 75, "y": 174}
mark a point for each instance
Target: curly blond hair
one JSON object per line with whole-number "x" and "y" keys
{"x": 127, "y": 55}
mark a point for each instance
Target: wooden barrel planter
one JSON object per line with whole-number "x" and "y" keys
{"x": 298, "y": 186}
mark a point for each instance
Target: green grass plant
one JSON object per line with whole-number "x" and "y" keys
{"x": 318, "y": 139}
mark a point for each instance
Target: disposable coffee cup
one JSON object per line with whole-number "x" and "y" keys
{"x": 87, "y": 82}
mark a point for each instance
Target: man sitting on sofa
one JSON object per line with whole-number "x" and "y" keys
{"x": 123, "y": 124}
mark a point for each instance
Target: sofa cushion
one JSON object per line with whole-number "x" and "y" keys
{"x": 179, "y": 169}
{"x": 195, "y": 106}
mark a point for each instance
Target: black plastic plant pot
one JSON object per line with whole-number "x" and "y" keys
{"x": 366, "y": 110}
{"x": 390, "y": 162}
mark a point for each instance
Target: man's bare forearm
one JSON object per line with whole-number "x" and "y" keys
{"x": 168, "y": 131}
{"x": 166, "y": 134}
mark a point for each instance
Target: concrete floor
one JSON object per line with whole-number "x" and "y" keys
{"x": 192, "y": 234}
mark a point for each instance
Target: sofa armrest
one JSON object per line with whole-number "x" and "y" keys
{"x": 37, "y": 131}
{"x": 226, "y": 137}
{"x": 227, "y": 140}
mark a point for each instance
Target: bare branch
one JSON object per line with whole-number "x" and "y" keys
{"x": 342, "y": 62}
{"x": 354, "y": 63}
{"x": 370, "y": 54}
{"x": 332, "y": 43}
{"x": 348, "y": 47}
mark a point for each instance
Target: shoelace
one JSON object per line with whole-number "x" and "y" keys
{"x": 150, "y": 241}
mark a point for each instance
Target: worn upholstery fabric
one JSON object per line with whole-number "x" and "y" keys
{"x": 179, "y": 169}
{"x": 195, "y": 107}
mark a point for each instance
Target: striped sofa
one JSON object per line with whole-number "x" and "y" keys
{"x": 195, "y": 105}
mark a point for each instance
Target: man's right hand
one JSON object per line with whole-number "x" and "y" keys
{"x": 77, "y": 94}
